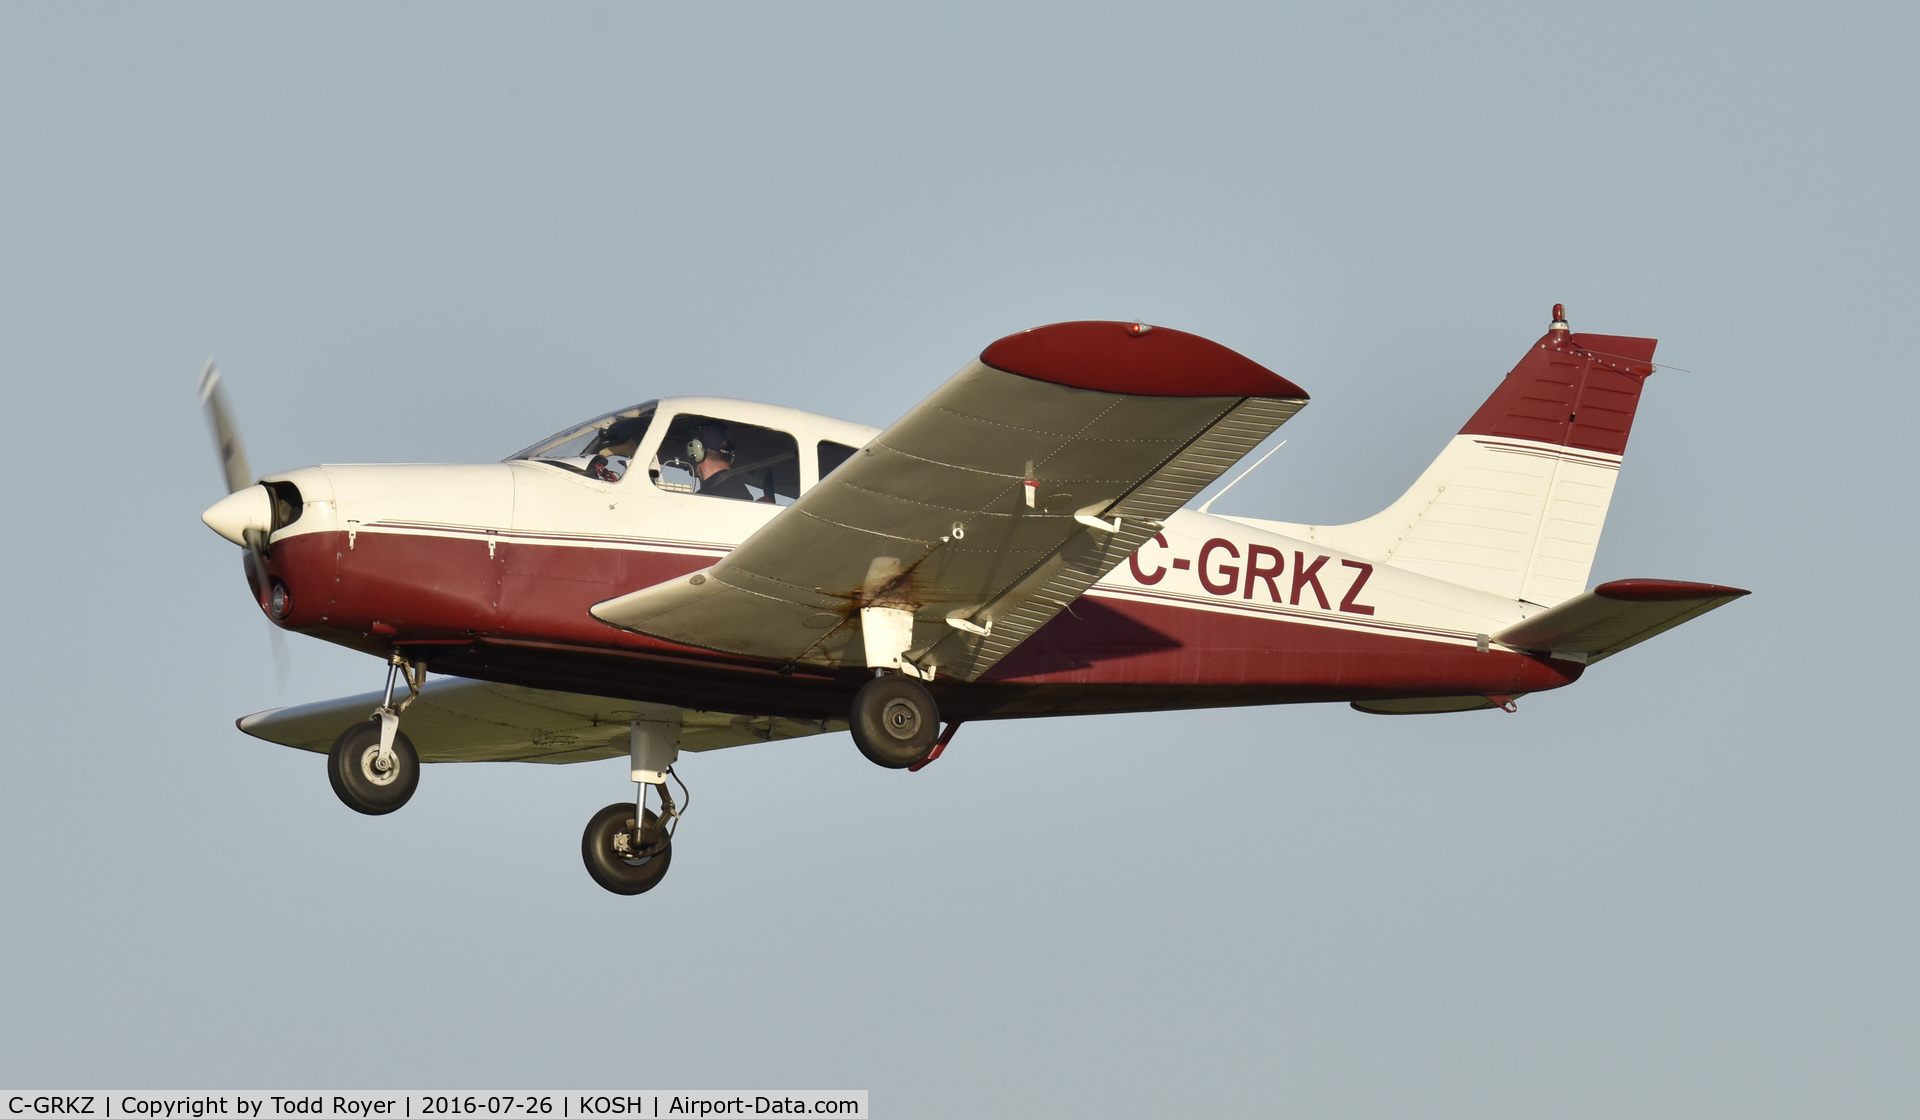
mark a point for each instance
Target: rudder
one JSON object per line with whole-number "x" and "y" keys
{"x": 1515, "y": 503}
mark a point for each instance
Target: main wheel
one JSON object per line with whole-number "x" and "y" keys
{"x": 353, "y": 766}
{"x": 895, "y": 721}
{"x": 613, "y": 859}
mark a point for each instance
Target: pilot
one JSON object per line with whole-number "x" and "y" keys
{"x": 715, "y": 468}
{"x": 617, "y": 445}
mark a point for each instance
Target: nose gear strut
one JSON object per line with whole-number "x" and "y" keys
{"x": 388, "y": 714}
{"x": 373, "y": 766}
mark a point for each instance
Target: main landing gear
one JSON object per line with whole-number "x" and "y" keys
{"x": 373, "y": 766}
{"x": 628, "y": 853}
{"x": 628, "y": 847}
{"x": 895, "y": 722}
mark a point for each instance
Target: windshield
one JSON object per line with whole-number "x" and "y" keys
{"x": 600, "y": 448}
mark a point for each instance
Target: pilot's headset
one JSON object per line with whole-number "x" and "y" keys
{"x": 712, "y": 438}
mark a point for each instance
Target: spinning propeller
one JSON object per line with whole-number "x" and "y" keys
{"x": 245, "y": 515}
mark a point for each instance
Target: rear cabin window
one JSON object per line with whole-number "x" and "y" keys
{"x": 832, "y": 455}
{"x": 721, "y": 458}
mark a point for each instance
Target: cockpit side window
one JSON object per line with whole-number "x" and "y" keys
{"x": 601, "y": 448}
{"x": 832, "y": 455}
{"x": 723, "y": 458}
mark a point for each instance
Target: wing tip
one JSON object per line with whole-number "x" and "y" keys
{"x": 247, "y": 723}
{"x": 1135, "y": 360}
{"x": 1664, "y": 591}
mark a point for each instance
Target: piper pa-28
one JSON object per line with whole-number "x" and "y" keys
{"x": 694, "y": 573}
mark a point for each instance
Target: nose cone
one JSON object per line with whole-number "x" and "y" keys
{"x": 239, "y": 511}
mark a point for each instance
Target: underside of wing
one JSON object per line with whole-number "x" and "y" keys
{"x": 473, "y": 721}
{"x": 1614, "y": 616}
{"x": 987, "y": 508}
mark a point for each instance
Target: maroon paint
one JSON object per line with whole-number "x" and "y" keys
{"x": 412, "y": 583}
{"x": 1662, "y": 590}
{"x": 1636, "y": 350}
{"x": 1230, "y": 571}
{"x": 1158, "y": 573}
{"x": 406, "y": 582}
{"x": 1142, "y": 644}
{"x": 1573, "y": 390}
{"x": 1112, "y": 358}
{"x": 1304, "y": 575}
{"x": 1347, "y": 602}
{"x": 1254, "y": 571}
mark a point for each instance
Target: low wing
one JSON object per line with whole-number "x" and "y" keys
{"x": 473, "y": 721}
{"x": 1614, "y": 616}
{"x": 981, "y": 504}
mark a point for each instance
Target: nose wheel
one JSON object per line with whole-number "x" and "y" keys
{"x": 373, "y": 766}
{"x": 370, "y": 780}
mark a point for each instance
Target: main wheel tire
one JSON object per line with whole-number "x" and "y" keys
{"x": 895, "y": 721}
{"x": 616, "y": 869}
{"x": 353, "y": 768}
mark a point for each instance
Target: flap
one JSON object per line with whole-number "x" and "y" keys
{"x": 994, "y": 502}
{"x": 1614, "y": 616}
{"x": 474, "y": 721}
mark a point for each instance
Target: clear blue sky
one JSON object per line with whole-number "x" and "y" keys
{"x": 1684, "y": 887}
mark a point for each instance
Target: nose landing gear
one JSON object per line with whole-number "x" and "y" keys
{"x": 373, "y": 766}
{"x": 368, "y": 779}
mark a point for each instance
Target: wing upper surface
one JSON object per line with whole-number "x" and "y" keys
{"x": 980, "y": 503}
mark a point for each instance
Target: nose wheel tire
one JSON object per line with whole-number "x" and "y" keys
{"x": 618, "y": 859}
{"x": 895, "y": 721}
{"x": 359, "y": 779}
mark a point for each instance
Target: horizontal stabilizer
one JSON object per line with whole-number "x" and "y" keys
{"x": 1613, "y": 616}
{"x": 473, "y": 721}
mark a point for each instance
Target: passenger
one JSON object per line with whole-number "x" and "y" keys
{"x": 715, "y": 468}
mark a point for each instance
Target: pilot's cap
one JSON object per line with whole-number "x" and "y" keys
{"x": 715, "y": 438}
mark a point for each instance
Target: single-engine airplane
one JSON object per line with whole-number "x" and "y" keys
{"x": 694, "y": 573}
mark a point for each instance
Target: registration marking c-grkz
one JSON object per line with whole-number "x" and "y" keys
{"x": 1264, "y": 565}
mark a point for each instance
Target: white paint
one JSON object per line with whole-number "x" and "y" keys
{"x": 887, "y": 633}
{"x": 244, "y": 509}
{"x": 654, "y": 741}
{"x": 1514, "y": 518}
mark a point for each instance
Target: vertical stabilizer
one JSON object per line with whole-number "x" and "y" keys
{"x": 1515, "y": 503}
